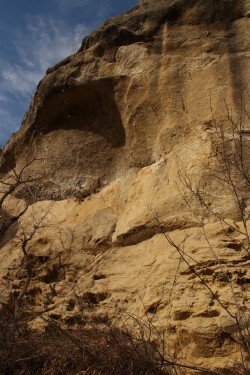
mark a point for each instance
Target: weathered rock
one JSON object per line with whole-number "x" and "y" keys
{"x": 120, "y": 141}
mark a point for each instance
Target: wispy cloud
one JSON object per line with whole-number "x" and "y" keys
{"x": 41, "y": 44}
{"x": 52, "y": 40}
{"x": 18, "y": 79}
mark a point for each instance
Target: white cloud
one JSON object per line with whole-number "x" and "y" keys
{"x": 18, "y": 79}
{"x": 51, "y": 41}
{"x": 43, "y": 43}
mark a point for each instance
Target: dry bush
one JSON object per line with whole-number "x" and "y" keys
{"x": 228, "y": 172}
{"x": 80, "y": 350}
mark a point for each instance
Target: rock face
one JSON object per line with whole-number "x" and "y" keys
{"x": 128, "y": 194}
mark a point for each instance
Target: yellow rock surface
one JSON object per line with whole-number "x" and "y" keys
{"x": 119, "y": 138}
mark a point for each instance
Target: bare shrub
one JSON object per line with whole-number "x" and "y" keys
{"x": 230, "y": 172}
{"x": 84, "y": 349}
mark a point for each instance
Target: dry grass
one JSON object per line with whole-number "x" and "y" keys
{"x": 82, "y": 350}
{"x": 98, "y": 348}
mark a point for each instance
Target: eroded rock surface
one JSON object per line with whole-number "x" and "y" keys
{"x": 119, "y": 141}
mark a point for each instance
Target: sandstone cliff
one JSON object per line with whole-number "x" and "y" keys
{"x": 120, "y": 175}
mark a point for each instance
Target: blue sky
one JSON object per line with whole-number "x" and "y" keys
{"x": 36, "y": 34}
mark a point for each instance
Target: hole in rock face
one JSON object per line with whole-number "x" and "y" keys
{"x": 79, "y": 139}
{"x": 89, "y": 108}
{"x": 99, "y": 276}
{"x": 51, "y": 275}
{"x": 71, "y": 305}
{"x": 95, "y": 297}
